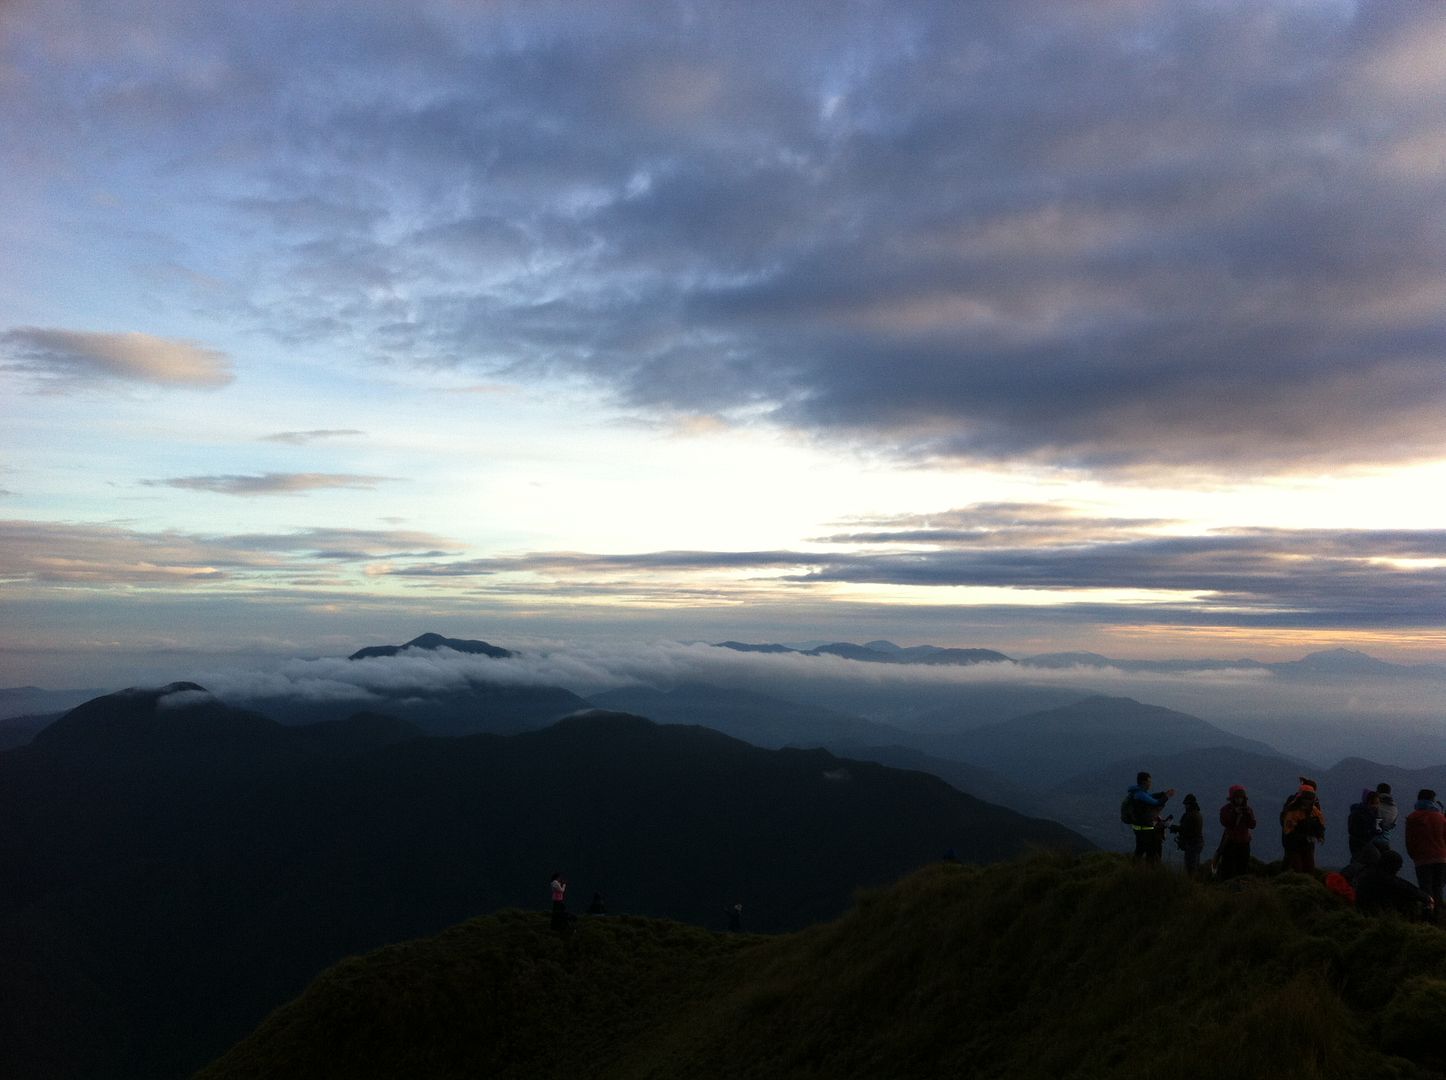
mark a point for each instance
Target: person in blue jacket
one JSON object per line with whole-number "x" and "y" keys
{"x": 1145, "y": 818}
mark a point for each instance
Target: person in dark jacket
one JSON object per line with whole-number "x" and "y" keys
{"x": 1238, "y": 819}
{"x": 1379, "y": 891}
{"x": 1388, "y": 811}
{"x": 1190, "y": 834}
{"x": 1363, "y": 826}
{"x": 1145, "y": 817}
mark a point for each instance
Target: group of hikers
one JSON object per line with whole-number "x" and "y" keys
{"x": 1370, "y": 880}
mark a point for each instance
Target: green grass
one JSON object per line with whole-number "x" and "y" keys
{"x": 1047, "y": 967}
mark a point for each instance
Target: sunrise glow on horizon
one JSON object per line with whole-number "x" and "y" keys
{"x": 1033, "y": 327}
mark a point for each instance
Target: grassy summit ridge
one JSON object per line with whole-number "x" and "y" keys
{"x": 1047, "y": 967}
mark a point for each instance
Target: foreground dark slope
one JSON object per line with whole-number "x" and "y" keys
{"x": 1045, "y": 968}
{"x": 176, "y": 868}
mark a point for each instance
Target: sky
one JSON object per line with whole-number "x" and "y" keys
{"x": 1113, "y": 325}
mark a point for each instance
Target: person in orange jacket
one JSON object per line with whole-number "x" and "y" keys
{"x": 1426, "y": 844}
{"x": 1302, "y": 827}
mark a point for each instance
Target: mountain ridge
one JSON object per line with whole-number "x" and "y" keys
{"x": 1045, "y": 967}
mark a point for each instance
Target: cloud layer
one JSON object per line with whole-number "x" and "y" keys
{"x": 66, "y": 358}
{"x": 269, "y": 483}
{"x": 1186, "y": 235}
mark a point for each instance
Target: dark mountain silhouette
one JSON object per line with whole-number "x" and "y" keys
{"x": 979, "y": 705}
{"x": 27, "y": 710}
{"x": 432, "y": 642}
{"x": 176, "y": 867}
{"x": 1050, "y": 967}
{"x": 756, "y": 718}
{"x": 19, "y": 730}
{"x": 773, "y": 722}
{"x": 475, "y": 708}
{"x": 1339, "y": 662}
{"x": 1044, "y": 748}
{"x": 139, "y": 721}
{"x": 739, "y": 646}
{"x": 981, "y": 783}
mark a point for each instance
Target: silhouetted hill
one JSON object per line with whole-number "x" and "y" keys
{"x": 981, "y": 783}
{"x": 1046, "y": 747}
{"x": 475, "y": 708}
{"x": 19, "y": 730}
{"x": 1045, "y": 968}
{"x": 1339, "y": 662}
{"x": 433, "y": 642}
{"x": 756, "y": 718}
{"x": 141, "y": 721}
{"x": 162, "y": 896}
{"x": 740, "y": 646}
{"x": 768, "y": 721}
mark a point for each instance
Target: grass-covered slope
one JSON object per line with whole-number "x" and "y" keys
{"x": 1051, "y": 967}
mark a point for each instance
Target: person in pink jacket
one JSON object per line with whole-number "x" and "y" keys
{"x": 1426, "y": 844}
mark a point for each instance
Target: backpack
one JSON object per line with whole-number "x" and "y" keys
{"x": 1134, "y": 812}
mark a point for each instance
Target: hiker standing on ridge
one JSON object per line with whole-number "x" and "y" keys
{"x": 559, "y": 900}
{"x": 1302, "y": 827}
{"x": 1426, "y": 844}
{"x": 1190, "y": 834}
{"x": 1144, "y": 816}
{"x": 1388, "y": 812}
{"x": 1363, "y": 826}
{"x": 1238, "y": 819}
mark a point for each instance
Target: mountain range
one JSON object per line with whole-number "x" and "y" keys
{"x": 180, "y": 866}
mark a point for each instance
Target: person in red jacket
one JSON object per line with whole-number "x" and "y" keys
{"x": 1238, "y": 820}
{"x": 1426, "y": 844}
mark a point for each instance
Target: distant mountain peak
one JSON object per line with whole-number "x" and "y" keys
{"x": 743, "y": 646}
{"x": 1341, "y": 662}
{"x": 432, "y": 642}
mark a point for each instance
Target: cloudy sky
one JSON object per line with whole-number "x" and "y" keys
{"x": 1116, "y": 325}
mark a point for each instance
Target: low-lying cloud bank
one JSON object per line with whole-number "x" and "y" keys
{"x": 591, "y": 668}
{"x": 1319, "y": 718}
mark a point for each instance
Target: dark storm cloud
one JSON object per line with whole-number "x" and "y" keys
{"x": 1119, "y": 235}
